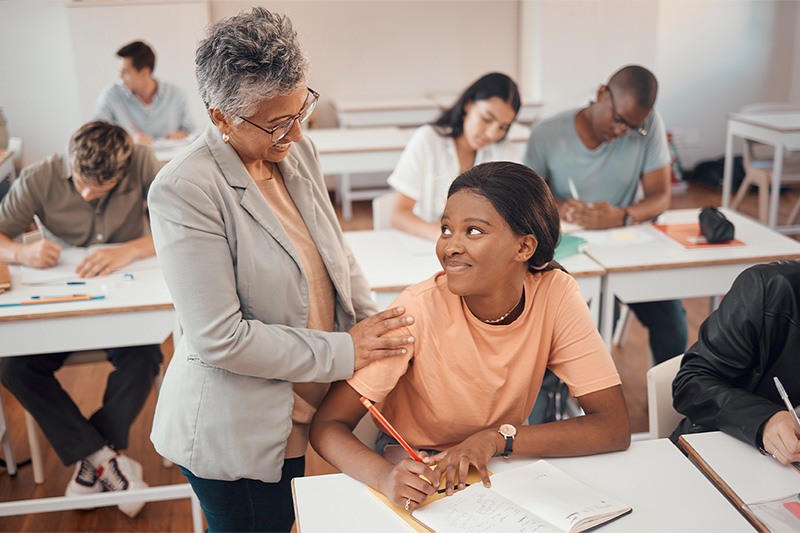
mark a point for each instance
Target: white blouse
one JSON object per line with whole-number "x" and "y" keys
{"x": 429, "y": 164}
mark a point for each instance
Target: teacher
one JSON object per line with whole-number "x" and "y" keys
{"x": 266, "y": 290}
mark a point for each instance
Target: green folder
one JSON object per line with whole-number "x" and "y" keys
{"x": 568, "y": 246}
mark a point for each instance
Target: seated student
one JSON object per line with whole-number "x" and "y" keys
{"x": 148, "y": 108}
{"x": 726, "y": 378}
{"x": 485, "y": 330}
{"x": 595, "y": 158}
{"x": 471, "y": 132}
{"x": 93, "y": 195}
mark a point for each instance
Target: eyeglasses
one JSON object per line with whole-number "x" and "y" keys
{"x": 282, "y": 130}
{"x": 621, "y": 121}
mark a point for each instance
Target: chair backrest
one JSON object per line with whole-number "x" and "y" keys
{"x": 382, "y": 210}
{"x": 663, "y": 417}
{"x": 15, "y": 147}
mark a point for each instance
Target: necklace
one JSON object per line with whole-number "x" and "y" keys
{"x": 498, "y": 320}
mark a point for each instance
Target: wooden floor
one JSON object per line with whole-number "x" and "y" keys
{"x": 86, "y": 384}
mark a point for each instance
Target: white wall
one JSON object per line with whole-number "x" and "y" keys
{"x": 711, "y": 56}
{"x": 377, "y": 49}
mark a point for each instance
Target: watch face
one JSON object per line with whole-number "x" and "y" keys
{"x": 507, "y": 430}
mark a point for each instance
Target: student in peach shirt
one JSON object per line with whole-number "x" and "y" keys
{"x": 485, "y": 331}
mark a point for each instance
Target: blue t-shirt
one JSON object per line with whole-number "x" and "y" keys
{"x": 609, "y": 173}
{"x": 168, "y": 111}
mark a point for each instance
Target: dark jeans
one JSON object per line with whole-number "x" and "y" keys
{"x": 666, "y": 324}
{"x": 32, "y": 380}
{"x": 248, "y": 504}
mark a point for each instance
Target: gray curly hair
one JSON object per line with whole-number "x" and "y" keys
{"x": 246, "y": 59}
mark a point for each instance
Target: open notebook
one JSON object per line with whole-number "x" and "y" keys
{"x": 536, "y": 497}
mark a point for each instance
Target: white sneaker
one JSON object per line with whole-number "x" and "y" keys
{"x": 122, "y": 473}
{"x": 84, "y": 480}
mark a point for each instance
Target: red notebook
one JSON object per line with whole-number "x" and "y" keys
{"x": 689, "y": 236}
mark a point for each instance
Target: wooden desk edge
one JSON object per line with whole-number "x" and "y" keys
{"x": 87, "y": 312}
{"x": 695, "y": 264}
{"x": 720, "y": 484}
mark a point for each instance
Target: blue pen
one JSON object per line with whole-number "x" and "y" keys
{"x": 76, "y": 283}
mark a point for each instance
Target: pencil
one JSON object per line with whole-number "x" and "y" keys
{"x": 785, "y": 398}
{"x": 393, "y": 432}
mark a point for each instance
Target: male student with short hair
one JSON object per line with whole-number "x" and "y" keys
{"x": 148, "y": 108}
{"x": 93, "y": 195}
{"x": 595, "y": 159}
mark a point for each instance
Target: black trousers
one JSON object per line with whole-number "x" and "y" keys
{"x": 32, "y": 380}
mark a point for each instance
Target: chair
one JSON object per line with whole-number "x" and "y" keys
{"x": 757, "y": 161}
{"x": 15, "y": 147}
{"x": 663, "y": 417}
{"x": 78, "y": 358}
{"x": 382, "y": 207}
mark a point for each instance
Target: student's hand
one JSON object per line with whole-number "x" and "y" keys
{"x": 103, "y": 262}
{"x": 599, "y": 215}
{"x": 40, "y": 254}
{"x": 141, "y": 138}
{"x": 177, "y": 134}
{"x": 780, "y": 438}
{"x": 409, "y": 481}
{"x": 567, "y": 209}
{"x": 476, "y": 450}
{"x": 376, "y": 337}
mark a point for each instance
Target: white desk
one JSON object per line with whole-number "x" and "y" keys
{"x": 392, "y": 260}
{"x": 133, "y": 313}
{"x": 408, "y": 111}
{"x": 652, "y": 267}
{"x": 781, "y": 130}
{"x": 665, "y": 491}
{"x": 740, "y": 471}
{"x": 377, "y": 149}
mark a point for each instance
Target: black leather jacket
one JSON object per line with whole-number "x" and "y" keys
{"x": 725, "y": 380}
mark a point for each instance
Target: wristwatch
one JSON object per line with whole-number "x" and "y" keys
{"x": 508, "y": 432}
{"x": 627, "y": 219}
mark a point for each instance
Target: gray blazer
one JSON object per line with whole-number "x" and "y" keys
{"x": 240, "y": 292}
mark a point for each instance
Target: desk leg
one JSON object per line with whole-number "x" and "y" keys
{"x": 344, "y": 195}
{"x": 775, "y": 192}
{"x": 607, "y": 313}
{"x": 727, "y": 173}
{"x": 197, "y": 516}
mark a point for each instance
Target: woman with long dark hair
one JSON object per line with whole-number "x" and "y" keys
{"x": 470, "y": 132}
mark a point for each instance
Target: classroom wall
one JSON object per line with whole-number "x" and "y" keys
{"x": 378, "y": 49}
{"x": 711, "y": 56}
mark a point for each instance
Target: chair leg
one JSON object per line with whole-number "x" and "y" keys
{"x": 763, "y": 203}
{"x": 795, "y": 212}
{"x": 5, "y": 439}
{"x": 622, "y": 326}
{"x": 36, "y": 448}
{"x": 743, "y": 188}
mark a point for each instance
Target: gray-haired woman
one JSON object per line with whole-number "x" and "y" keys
{"x": 266, "y": 290}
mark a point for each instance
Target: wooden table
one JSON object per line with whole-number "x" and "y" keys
{"x": 134, "y": 312}
{"x": 781, "y": 130}
{"x": 644, "y": 265}
{"x": 665, "y": 491}
{"x": 739, "y": 471}
{"x": 392, "y": 260}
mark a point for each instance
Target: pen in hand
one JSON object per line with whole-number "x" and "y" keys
{"x": 39, "y": 225}
{"x": 789, "y": 405}
{"x": 573, "y": 191}
{"x": 393, "y": 432}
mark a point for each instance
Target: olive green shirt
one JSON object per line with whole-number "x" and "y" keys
{"x": 46, "y": 189}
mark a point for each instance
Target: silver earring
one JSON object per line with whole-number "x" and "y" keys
{"x": 226, "y": 138}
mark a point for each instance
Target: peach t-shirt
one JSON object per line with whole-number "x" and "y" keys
{"x": 464, "y": 375}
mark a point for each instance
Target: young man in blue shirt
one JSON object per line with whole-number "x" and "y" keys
{"x": 596, "y": 158}
{"x": 147, "y": 108}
